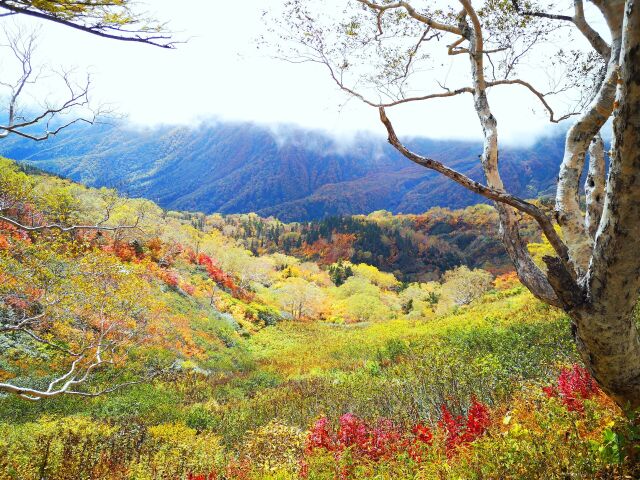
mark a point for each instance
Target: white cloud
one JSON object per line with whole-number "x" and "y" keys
{"x": 219, "y": 73}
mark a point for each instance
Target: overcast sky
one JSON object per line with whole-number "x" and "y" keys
{"x": 220, "y": 74}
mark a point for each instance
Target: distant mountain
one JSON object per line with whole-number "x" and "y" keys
{"x": 294, "y": 174}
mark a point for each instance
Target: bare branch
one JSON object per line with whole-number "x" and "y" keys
{"x": 541, "y": 96}
{"x": 578, "y": 19}
{"x": 74, "y": 380}
{"x": 22, "y": 324}
{"x": 64, "y": 228}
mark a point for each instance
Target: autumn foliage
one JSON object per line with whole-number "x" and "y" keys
{"x": 574, "y": 385}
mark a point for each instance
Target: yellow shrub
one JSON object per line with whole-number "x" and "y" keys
{"x": 275, "y": 447}
{"x": 174, "y": 450}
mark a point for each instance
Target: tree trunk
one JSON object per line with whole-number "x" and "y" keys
{"x": 606, "y": 329}
{"x": 528, "y": 272}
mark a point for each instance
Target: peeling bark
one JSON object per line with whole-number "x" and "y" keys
{"x": 594, "y": 186}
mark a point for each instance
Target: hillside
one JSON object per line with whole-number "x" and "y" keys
{"x": 231, "y": 365}
{"x": 294, "y": 175}
{"x": 412, "y": 247}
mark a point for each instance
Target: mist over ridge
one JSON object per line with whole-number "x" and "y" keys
{"x": 286, "y": 171}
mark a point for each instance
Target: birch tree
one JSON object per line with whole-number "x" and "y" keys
{"x": 372, "y": 48}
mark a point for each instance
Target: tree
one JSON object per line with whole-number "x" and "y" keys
{"x": 67, "y": 309}
{"x": 300, "y": 298}
{"x": 374, "y": 50}
{"x": 72, "y": 107}
{"x": 76, "y": 321}
{"x": 461, "y": 286}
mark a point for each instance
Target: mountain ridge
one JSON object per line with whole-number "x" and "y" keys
{"x": 301, "y": 175}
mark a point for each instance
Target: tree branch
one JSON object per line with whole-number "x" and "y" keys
{"x": 492, "y": 194}
{"x": 413, "y": 14}
{"x": 578, "y": 19}
{"x": 64, "y": 229}
{"x": 99, "y": 28}
{"x": 537, "y": 93}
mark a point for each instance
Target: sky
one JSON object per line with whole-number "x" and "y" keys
{"x": 220, "y": 74}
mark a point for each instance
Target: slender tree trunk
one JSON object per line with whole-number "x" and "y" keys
{"x": 528, "y": 272}
{"x": 579, "y": 137}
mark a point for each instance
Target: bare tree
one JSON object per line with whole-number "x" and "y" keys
{"x": 34, "y": 122}
{"x": 112, "y": 19}
{"x": 594, "y": 275}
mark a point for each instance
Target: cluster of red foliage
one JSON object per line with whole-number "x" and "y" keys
{"x": 216, "y": 273}
{"x": 574, "y": 385}
{"x": 4, "y": 242}
{"x": 211, "y": 476}
{"x": 124, "y": 251}
{"x": 461, "y": 431}
{"x": 11, "y": 233}
{"x": 169, "y": 277}
{"x": 365, "y": 441}
{"x": 506, "y": 281}
{"x": 340, "y": 247}
{"x": 371, "y": 442}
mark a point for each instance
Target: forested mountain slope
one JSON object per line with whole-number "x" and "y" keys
{"x": 293, "y": 174}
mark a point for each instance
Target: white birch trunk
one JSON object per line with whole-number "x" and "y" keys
{"x": 606, "y": 328}
{"x": 528, "y": 272}
{"x": 579, "y": 137}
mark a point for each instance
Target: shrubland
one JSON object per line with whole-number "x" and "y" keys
{"x": 228, "y": 361}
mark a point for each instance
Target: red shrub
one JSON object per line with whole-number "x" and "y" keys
{"x": 4, "y": 243}
{"x": 321, "y": 436}
{"x": 422, "y": 440}
{"x": 423, "y": 434}
{"x": 353, "y": 433}
{"x": 461, "y": 431}
{"x": 168, "y": 277}
{"x": 217, "y": 274}
{"x": 452, "y": 427}
{"x": 478, "y": 421}
{"x": 574, "y": 386}
{"x": 383, "y": 440}
{"x": 188, "y": 288}
{"x": 238, "y": 469}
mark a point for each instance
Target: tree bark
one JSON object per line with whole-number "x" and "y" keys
{"x": 594, "y": 186}
{"x": 606, "y": 326}
{"x": 579, "y": 137}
